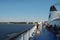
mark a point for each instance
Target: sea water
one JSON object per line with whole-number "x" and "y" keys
{"x": 7, "y": 29}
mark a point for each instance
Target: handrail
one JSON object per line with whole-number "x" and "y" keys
{"x": 18, "y": 34}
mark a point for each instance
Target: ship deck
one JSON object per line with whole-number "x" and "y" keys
{"x": 46, "y": 35}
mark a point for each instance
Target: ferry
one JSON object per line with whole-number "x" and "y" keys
{"x": 49, "y": 30}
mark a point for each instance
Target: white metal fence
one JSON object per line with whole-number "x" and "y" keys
{"x": 27, "y": 34}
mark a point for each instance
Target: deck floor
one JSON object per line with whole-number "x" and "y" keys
{"x": 46, "y": 35}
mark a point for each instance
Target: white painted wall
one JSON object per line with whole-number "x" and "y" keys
{"x": 54, "y": 15}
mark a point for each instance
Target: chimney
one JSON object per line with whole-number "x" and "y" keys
{"x": 52, "y": 8}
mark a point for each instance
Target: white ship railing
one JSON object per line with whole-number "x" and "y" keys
{"x": 23, "y": 35}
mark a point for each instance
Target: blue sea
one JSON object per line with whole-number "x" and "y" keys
{"x": 6, "y": 29}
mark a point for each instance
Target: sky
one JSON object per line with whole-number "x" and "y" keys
{"x": 25, "y": 10}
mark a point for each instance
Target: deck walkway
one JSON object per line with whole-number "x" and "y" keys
{"x": 46, "y": 35}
